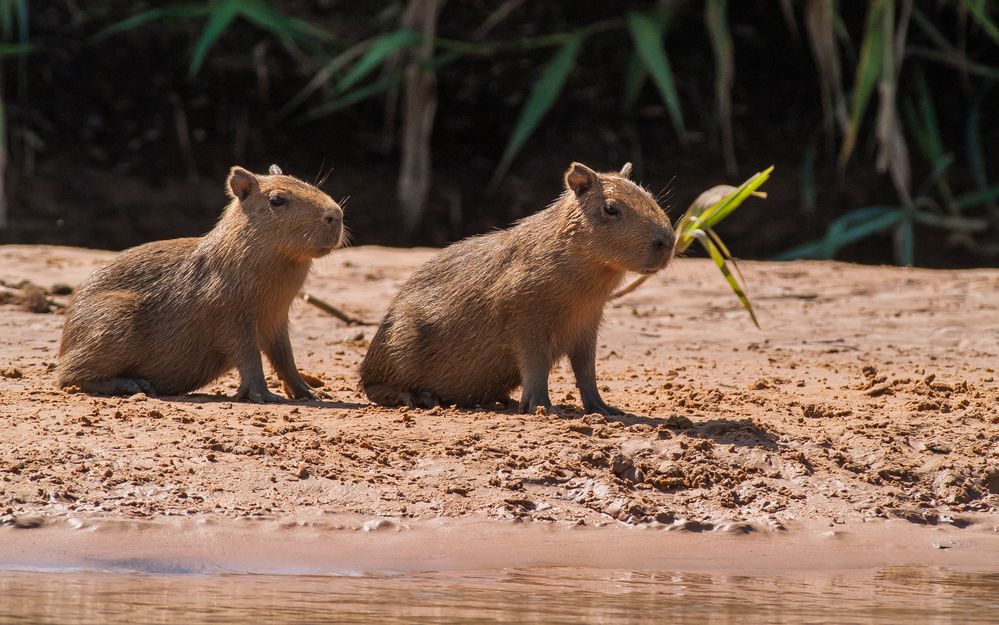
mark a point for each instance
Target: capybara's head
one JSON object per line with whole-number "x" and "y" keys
{"x": 300, "y": 220}
{"x": 624, "y": 226}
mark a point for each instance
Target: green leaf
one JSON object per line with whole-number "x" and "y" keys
{"x": 977, "y": 11}
{"x": 541, "y": 99}
{"x": 192, "y": 9}
{"x": 869, "y": 69}
{"x": 277, "y": 23}
{"x": 716, "y": 21}
{"x": 851, "y": 227}
{"x": 221, "y": 16}
{"x": 15, "y": 49}
{"x": 973, "y": 141}
{"x": 954, "y": 60}
{"x": 904, "y": 244}
{"x": 380, "y": 50}
{"x": 357, "y": 95}
{"x": 929, "y": 117}
{"x": 723, "y": 248}
{"x": 634, "y": 80}
{"x": 711, "y": 214}
{"x": 382, "y": 84}
{"x": 926, "y": 25}
{"x": 812, "y": 249}
{"x": 975, "y": 198}
{"x": 649, "y": 46}
{"x": 719, "y": 261}
{"x": 808, "y": 174}
{"x": 857, "y": 225}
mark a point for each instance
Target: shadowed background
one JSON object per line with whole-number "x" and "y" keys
{"x": 440, "y": 119}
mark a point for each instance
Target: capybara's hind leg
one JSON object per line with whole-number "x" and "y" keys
{"x": 420, "y": 399}
{"x": 98, "y": 341}
{"x": 120, "y": 386}
{"x": 383, "y": 394}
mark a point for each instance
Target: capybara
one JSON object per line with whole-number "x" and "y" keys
{"x": 169, "y": 317}
{"x": 497, "y": 311}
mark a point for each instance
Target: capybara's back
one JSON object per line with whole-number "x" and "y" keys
{"x": 497, "y": 311}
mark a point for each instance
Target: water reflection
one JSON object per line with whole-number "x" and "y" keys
{"x": 911, "y": 595}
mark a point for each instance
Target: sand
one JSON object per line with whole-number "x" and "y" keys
{"x": 866, "y": 407}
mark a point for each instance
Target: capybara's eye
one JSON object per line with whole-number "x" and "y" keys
{"x": 611, "y": 210}
{"x": 277, "y": 200}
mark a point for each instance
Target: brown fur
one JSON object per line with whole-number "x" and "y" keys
{"x": 171, "y": 316}
{"x": 496, "y": 311}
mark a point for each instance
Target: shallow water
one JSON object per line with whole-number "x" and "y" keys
{"x": 910, "y": 595}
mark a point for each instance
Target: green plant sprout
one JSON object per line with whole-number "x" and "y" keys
{"x": 698, "y": 222}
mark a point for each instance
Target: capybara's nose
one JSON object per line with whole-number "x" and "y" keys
{"x": 663, "y": 242}
{"x": 333, "y": 216}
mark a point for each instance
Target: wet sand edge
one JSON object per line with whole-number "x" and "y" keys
{"x": 352, "y": 545}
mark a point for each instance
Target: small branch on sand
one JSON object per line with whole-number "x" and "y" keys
{"x": 333, "y": 310}
{"x": 29, "y": 297}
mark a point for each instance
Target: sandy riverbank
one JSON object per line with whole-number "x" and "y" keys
{"x": 869, "y": 400}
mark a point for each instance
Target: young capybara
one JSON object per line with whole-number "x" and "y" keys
{"x": 171, "y": 316}
{"x": 497, "y": 311}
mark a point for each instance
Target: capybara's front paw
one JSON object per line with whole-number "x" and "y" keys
{"x": 529, "y": 403}
{"x": 300, "y": 392}
{"x": 603, "y": 409}
{"x": 258, "y": 396}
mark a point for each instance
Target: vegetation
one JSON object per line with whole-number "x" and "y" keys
{"x": 697, "y": 224}
{"x": 898, "y": 87}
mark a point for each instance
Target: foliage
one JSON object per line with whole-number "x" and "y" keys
{"x": 697, "y": 223}
{"x": 13, "y": 43}
{"x": 875, "y": 64}
{"x": 706, "y": 212}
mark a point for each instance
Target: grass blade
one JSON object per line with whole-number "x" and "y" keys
{"x": 221, "y": 16}
{"x": 808, "y": 175}
{"x": 541, "y": 99}
{"x": 719, "y": 260}
{"x": 647, "y": 36}
{"x": 381, "y": 49}
{"x": 977, "y": 11}
{"x": 869, "y": 69}
{"x": 904, "y": 243}
{"x": 954, "y": 60}
{"x": 192, "y": 9}
{"x": 15, "y": 49}
{"x": 973, "y": 141}
{"x": 723, "y": 249}
{"x": 715, "y": 213}
{"x": 280, "y": 24}
{"x": 849, "y": 228}
{"x": 634, "y": 80}
{"x": 721, "y": 44}
{"x": 379, "y": 86}
{"x": 987, "y": 195}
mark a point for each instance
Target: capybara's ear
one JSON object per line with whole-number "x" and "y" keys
{"x": 626, "y": 171}
{"x": 580, "y": 178}
{"x": 274, "y": 170}
{"x": 241, "y": 183}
